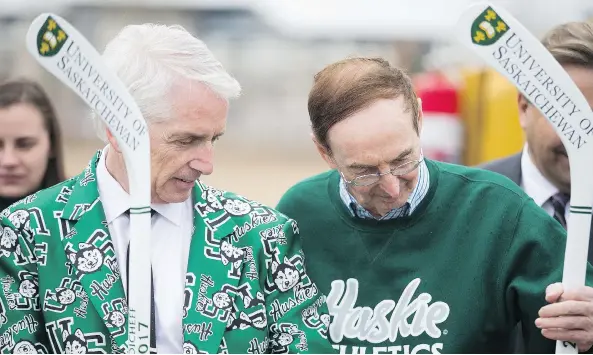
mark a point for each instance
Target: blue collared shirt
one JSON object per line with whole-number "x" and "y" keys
{"x": 413, "y": 201}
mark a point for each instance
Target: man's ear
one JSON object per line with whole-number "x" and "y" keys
{"x": 522, "y": 102}
{"x": 420, "y": 116}
{"x": 324, "y": 152}
{"x": 112, "y": 140}
{"x": 523, "y": 105}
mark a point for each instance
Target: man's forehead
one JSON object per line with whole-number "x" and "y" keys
{"x": 196, "y": 112}
{"x": 386, "y": 135}
{"x": 374, "y": 159}
{"x": 186, "y": 130}
{"x": 374, "y": 117}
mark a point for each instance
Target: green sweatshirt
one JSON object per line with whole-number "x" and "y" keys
{"x": 473, "y": 259}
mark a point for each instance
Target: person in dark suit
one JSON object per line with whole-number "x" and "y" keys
{"x": 542, "y": 168}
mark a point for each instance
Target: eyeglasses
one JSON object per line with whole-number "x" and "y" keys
{"x": 370, "y": 179}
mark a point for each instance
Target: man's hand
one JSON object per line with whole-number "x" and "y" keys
{"x": 569, "y": 317}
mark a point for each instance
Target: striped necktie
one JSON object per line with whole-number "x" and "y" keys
{"x": 153, "y": 349}
{"x": 559, "y": 202}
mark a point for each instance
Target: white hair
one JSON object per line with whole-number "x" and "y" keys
{"x": 149, "y": 58}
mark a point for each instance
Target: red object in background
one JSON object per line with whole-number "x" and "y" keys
{"x": 442, "y": 128}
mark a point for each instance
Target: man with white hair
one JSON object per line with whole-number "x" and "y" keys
{"x": 228, "y": 272}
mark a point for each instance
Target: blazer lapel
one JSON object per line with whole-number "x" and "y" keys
{"x": 90, "y": 253}
{"x": 214, "y": 271}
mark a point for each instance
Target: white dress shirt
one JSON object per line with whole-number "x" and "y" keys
{"x": 170, "y": 241}
{"x": 537, "y": 186}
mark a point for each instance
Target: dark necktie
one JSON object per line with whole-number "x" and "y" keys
{"x": 559, "y": 202}
{"x": 152, "y": 312}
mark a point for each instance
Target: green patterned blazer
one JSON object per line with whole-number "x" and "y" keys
{"x": 246, "y": 288}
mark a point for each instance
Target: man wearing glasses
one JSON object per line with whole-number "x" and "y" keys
{"x": 420, "y": 256}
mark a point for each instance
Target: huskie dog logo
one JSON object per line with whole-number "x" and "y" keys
{"x": 20, "y": 220}
{"x": 27, "y": 292}
{"x": 8, "y": 242}
{"x": 64, "y": 295}
{"x": 283, "y": 335}
{"x": 9, "y": 237}
{"x": 221, "y": 302}
{"x": 65, "y": 339}
{"x": 115, "y": 319}
{"x": 114, "y": 312}
{"x": 89, "y": 258}
{"x": 282, "y": 339}
{"x": 211, "y": 195}
{"x": 26, "y": 347}
{"x": 230, "y": 253}
{"x": 75, "y": 343}
{"x": 237, "y": 207}
{"x": 289, "y": 277}
{"x": 285, "y": 276}
{"x": 29, "y": 286}
{"x": 224, "y": 251}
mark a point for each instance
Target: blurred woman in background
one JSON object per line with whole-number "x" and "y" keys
{"x": 31, "y": 156}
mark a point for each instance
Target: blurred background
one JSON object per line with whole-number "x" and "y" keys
{"x": 274, "y": 47}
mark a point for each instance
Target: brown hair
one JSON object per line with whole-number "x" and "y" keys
{"x": 345, "y": 87}
{"x": 23, "y": 91}
{"x": 571, "y": 43}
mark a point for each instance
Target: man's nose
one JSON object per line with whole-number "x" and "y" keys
{"x": 203, "y": 160}
{"x": 390, "y": 184}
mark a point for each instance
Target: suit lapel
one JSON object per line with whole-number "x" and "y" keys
{"x": 214, "y": 270}
{"x": 90, "y": 252}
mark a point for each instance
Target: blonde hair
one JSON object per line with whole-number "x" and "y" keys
{"x": 571, "y": 43}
